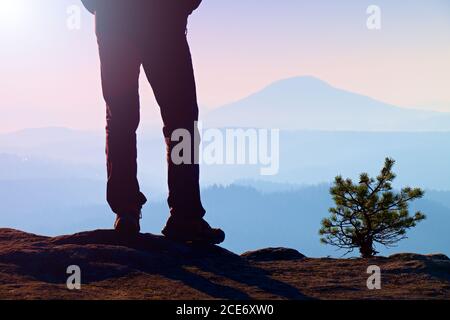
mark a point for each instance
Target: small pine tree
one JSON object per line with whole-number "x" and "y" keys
{"x": 369, "y": 212}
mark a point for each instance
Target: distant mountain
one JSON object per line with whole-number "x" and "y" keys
{"x": 56, "y": 143}
{"x": 307, "y": 103}
{"x": 292, "y": 219}
{"x": 62, "y": 154}
{"x": 312, "y": 157}
{"x": 306, "y": 157}
{"x": 252, "y": 219}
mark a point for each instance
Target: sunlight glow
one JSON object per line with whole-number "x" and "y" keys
{"x": 12, "y": 12}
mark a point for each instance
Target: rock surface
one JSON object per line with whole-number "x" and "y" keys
{"x": 273, "y": 254}
{"x": 151, "y": 267}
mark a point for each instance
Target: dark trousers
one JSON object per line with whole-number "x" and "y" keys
{"x": 154, "y": 38}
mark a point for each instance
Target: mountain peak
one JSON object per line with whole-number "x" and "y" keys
{"x": 301, "y": 81}
{"x": 309, "y": 103}
{"x": 300, "y": 84}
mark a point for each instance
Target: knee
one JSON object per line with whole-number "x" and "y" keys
{"x": 122, "y": 117}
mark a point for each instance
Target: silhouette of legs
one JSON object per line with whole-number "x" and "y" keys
{"x": 157, "y": 40}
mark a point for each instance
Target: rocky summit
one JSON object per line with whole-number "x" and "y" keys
{"x": 101, "y": 265}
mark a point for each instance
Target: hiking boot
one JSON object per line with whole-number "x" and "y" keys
{"x": 128, "y": 223}
{"x": 198, "y": 231}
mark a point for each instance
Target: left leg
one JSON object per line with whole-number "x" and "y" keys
{"x": 120, "y": 65}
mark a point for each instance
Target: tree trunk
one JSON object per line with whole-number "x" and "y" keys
{"x": 366, "y": 249}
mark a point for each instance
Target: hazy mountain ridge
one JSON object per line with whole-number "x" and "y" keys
{"x": 308, "y": 103}
{"x": 306, "y": 157}
{"x": 291, "y": 218}
{"x": 44, "y": 172}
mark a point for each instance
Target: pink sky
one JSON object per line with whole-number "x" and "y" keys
{"x": 50, "y": 75}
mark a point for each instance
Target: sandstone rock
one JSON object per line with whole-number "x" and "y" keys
{"x": 273, "y": 254}
{"x": 152, "y": 267}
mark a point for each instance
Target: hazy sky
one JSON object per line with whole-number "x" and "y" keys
{"x": 50, "y": 74}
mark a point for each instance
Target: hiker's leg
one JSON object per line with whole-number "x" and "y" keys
{"x": 120, "y": 65}
{"x": 168, "y": 66}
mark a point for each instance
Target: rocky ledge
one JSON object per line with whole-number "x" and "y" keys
{"x": 151, "y": 267}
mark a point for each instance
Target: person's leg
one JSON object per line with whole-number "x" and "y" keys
{"x": 168, "y": 66}
{"x": 120, "y": 65}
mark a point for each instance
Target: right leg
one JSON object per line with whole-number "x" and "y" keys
{"x": 168, "y": 65}
{"x": 120, "y": 65}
